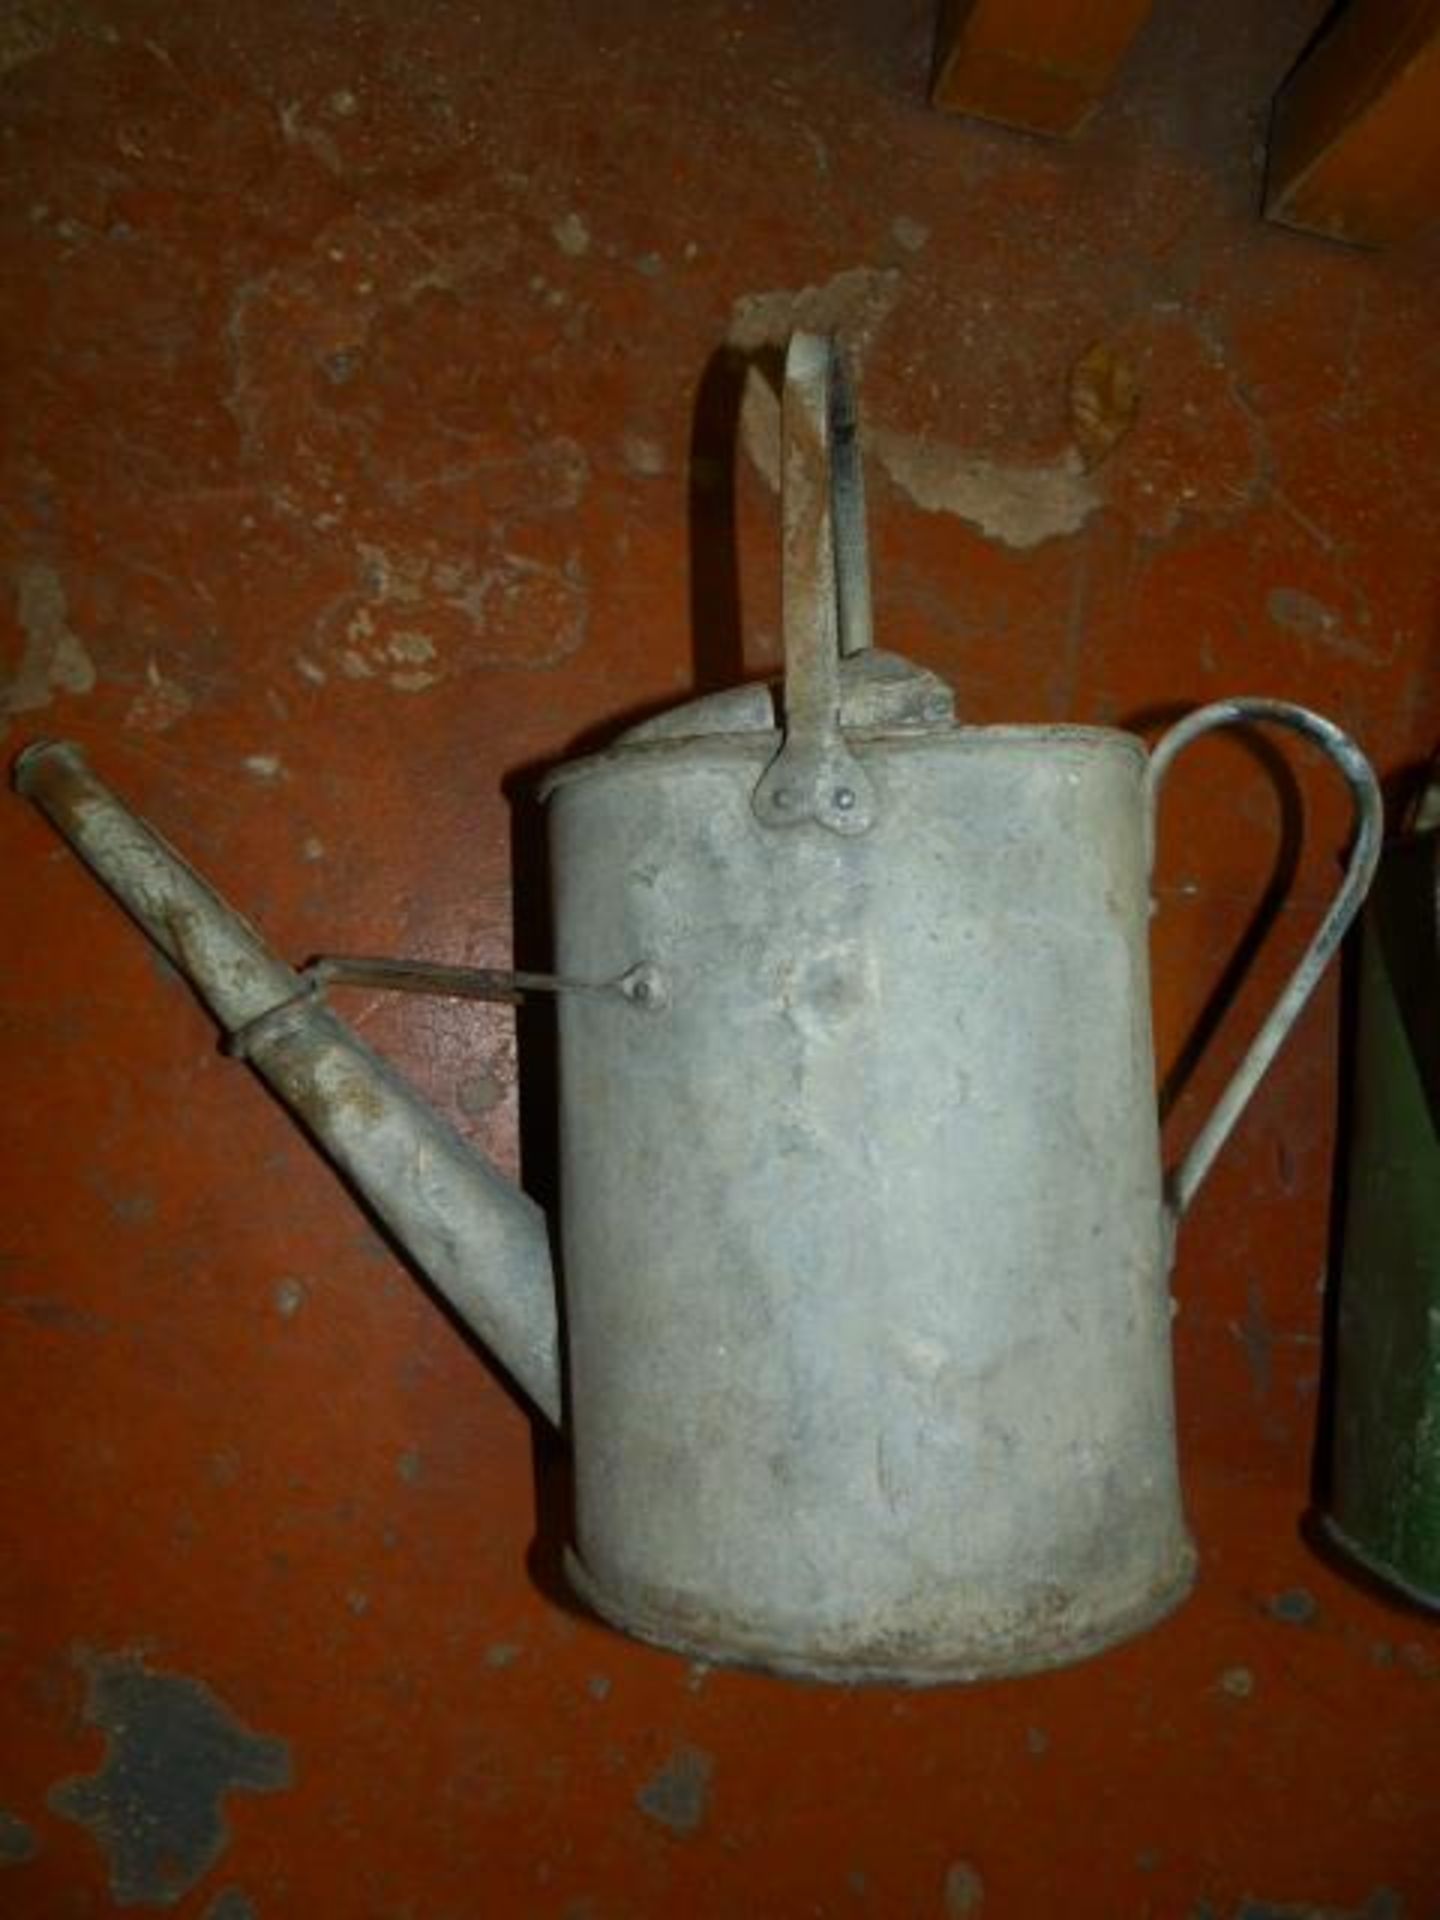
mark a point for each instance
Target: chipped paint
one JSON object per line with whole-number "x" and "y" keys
{"x": 231, "y": 1903}
{"x": 571, "y": 235}
{"x": 1018, "y": 504}
{"x": 420, "y": 613}
{"x": 173, "y": 1752}
{"x": 17, "y": 1840}
{"x": 1383, "y": 1904}
{"x": 289, "y": 1296}
{"x": 642, "y": 454}
{"x": 912, "y": 235}
{"x": 159, "y": 705}
{"x": 1301, "y": 613}
{"x": 55, "y": 658}
{"x": 854, "y": 304}
{"x": 1295, "y": 1607}
{"x": 964, "y": 1891}
{"x": 677, "y": 1796}
{"x": 44, "y": 1310}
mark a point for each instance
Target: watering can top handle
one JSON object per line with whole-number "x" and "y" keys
{"x": 1184, "y": 1183}
{"x": 825, "y": 594}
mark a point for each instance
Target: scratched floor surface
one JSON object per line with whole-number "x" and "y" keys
{"x": 376, "y": 428}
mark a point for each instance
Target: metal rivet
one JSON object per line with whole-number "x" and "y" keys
{"x": 845, "y": 798}
{"x": 781, "y": 798}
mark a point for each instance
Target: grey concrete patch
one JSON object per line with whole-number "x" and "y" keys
{"x": 1381, "y": 1905}
{"x": 173, "y": 1752}
{"x": 678, "y": 1795}
{"x": 231, "y": 1903}
{"x": 1296, "y": 1607}
{"x": 17, "y": 1840}
{"x": 964, "y": 1891}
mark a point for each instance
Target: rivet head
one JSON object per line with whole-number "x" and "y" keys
{"x": 644, "y": 986}
{"x": 845, "y": 799}
{"x": 781, "y": 799}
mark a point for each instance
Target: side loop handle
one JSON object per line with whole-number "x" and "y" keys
{"x": 825, "y": 595}
{"x": 1184, "y": 1182}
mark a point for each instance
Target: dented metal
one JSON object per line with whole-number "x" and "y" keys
{"x": 865, "y": 1236}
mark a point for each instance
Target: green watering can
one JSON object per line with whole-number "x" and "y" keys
{"x": 1384, "y": 1504}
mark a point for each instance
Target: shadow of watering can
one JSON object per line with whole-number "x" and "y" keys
{"x": 865, "y": 1238}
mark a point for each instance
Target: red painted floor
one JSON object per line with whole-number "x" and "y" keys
{"x": 369, "y": 440}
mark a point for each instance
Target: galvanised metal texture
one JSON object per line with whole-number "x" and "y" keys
{"x": 866, "y": 1245}
{"x": 477, "y": 1237}
{"x": 865, "y": 1242}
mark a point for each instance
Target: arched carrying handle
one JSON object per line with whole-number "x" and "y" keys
{"x": 1184, "y": 1183}
{"x": 825, "y": 595}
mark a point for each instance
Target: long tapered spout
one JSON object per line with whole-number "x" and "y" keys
{"x": 481, "y": 1241}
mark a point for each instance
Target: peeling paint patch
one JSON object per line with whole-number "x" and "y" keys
{"x": 642, "y": 455}
{"x": 26, "y": 33}
{"x": 1257, "y": 1339}
{"x": 964, "y": 1891}
{"x": 17, "y": 1840}
{"x": 1302, "y": 614}
{"x": 1296, "y": 1607}
{"x": 44, "y": 1310}
{"x": 1383, "y": 1904}
{"x": 855, "y": 304}
{"x": 1021, "y": 506}
{"x": 289, "y": 1296}
{"x": 1237, "y": 1682}
{"x": 54, "y": 658}
{"x": 571, "y": 235}
{"x": 160, "y": 703}
{"x": 173, "y": 1752}
{"x": 419, "y": 613}
{"x": 231, "y": 1903}
{"x": 678, "y": 1796}
{"x": 910, "y": 234}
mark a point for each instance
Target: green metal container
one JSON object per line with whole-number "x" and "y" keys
{"x": 1385, "y": 1486}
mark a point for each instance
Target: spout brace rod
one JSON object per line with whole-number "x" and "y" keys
{"x": 640, "y": 985}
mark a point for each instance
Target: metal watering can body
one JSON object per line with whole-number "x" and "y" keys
{"x": 864, "y": 1235}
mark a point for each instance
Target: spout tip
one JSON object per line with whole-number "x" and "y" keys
{"x": 31, "y": 761}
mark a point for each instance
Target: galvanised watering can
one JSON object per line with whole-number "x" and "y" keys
{"x": 865, "y": 1241}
